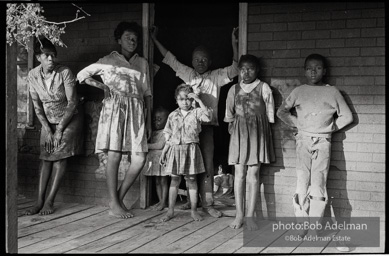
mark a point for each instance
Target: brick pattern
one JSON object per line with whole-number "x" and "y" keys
{"x": 87, "y": 40}
{"x": 352, "y": 37}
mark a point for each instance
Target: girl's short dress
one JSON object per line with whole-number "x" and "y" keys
{"x": 152, "y": 166}
{"x": 251, "y": 137}
{"x": 184, "y": 155}
{"x": 185, "y": 159}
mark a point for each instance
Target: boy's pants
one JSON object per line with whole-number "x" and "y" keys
{"x": 205, "y": 180}
{"x": 312, "y": 165}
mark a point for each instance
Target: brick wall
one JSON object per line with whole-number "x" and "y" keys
{"x": 352, "y": 37}
{"x": 87, "y": 40}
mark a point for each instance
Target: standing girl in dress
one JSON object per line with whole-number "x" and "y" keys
{"x": 181, "y": 154}
{"x": 249, "y": 109}
{"x": 125, "y": 118}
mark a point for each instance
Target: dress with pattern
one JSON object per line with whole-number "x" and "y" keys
{"x": 184, "y": 156}
{"x": 248, "y": 114}
{"x": 122, "y": 118}
{"x": 54, "y": 102}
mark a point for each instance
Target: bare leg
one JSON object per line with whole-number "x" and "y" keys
{"x": 45, "y": 173}
{"x": 173, "y": 191}
{"x": 193, "y": 191}
{"x": 158, "y": 189}
{"x": 186, "y": 206}
{"x": 253, "y": 182}
{"x": 113, "y": 162}
{"x": 138, "y": 160}
{"x": 59, "y": 168}
{"x": 206, "y": 179}
{"x": 164, "y": 192}
{"x": 240, "y": 179}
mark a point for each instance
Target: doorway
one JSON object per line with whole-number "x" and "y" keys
{"x": 181, "y": 28}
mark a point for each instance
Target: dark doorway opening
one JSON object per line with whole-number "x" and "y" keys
{"x": 183, "y": 27}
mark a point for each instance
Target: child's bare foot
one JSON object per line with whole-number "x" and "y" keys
{"x": 196, "y": 216}
{"x": 168, "y": 216}
{"x": 34, "y": 210}
{"x": 118, "y": 212}
{"x": 160, "y": 207}
{"x": 251, "y": 225}
{"x": 48, "y": 208}
{"x": 237, "y": 223}
{"x": 212, "y": 211}
{"x": 124, "y": 206}
{"x": 185, "y": 206}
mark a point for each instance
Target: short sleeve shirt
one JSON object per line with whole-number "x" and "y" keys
{"x": 52, "y": 96}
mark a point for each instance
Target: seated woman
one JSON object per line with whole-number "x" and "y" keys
{"x": 52, "y": 89}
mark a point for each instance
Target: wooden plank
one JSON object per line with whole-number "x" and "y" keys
{"x": 278, "y": 246}
{"x": 243, "y": 14}
{"x": 331, "y": 247}
{"x": 50, "y": 237}
{"x": 235, "y": 243}
{"x": 191, "y": 240}
{"x": 11, "y": 178}
{"x": 25, "y": 205}
{"x": 103, "y": 229}
{"x": 60, "y": 234}
{"x": 314, "y": 247}
{"x": 127, "y": 229}
{"x": 61, "y": 221}
{"x": 179, "y": 226}
{"x": 62, "y": 210}
{"x": 263, "y": 236}
{"x": 22, "y": 200}
{"x": 216, "y": 240}
{"x": 232, "y": 245}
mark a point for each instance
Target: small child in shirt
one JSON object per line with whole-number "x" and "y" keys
{"x": 249, "y": 110}
{"x": 224, "y": 182}
{"x": 206, "y": 83}
{"x": 181, "y": 154}
{"x": 316, "y": 103}
{"x": 156, "y": 144}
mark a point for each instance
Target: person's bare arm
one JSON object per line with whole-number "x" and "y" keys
{"x": 153, "y": 35}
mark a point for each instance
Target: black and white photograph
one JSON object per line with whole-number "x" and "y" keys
{"x": 195, "y": 127}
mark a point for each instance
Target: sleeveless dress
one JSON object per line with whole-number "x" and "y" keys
{"x": 251, "y": 138}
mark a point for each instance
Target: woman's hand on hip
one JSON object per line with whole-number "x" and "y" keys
{"x": 107, "y": 92}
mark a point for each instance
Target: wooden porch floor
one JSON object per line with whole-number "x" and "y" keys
{"x": 78, "y": 228}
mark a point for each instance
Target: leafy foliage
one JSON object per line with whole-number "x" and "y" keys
{"x": 25, "y": 21}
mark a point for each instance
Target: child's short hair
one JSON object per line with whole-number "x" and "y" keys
{"x": 315, "y": 56}
{"x": 250, "y": 59}
{"x": 44, "y": 43}
{"x": 202, "y": 48}
{"x": 183, "y": 87}
{"x": 127, "y": 26}
{"x": 161, "y": 109}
